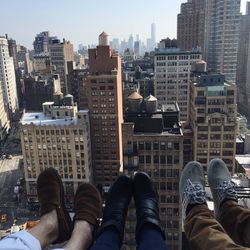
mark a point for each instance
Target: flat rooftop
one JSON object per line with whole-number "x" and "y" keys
{"x": 40, "y": 119}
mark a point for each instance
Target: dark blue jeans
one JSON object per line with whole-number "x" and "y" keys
{"x": 149, "y": 239}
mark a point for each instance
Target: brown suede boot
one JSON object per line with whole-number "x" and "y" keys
{"x": 50, "y": 193}
{"x": 88, "y": 204}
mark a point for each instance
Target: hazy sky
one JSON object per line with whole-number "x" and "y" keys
{"x": 81, "y": 21}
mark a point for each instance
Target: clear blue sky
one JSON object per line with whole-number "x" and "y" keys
{"x": 81, "y": 21}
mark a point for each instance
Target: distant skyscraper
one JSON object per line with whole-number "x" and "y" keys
{"x": 153, "y": 36}
{"x": 191, "y": 25}
{"x": 131, "y": 42}
{"x": 222, "y": 36}
{"x": 60, "y": 54}
{"x": 104, "y": 88}
{"x": 243, "y": 66}
{"x": 41, "y": 42}
{"x": 7, "y": 77}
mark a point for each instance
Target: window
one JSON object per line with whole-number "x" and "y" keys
{"x": 156, "y": 158}
{"x": 156, "y": 145}
{"x": 169, "y": 159}
{"x": 148, "y": 159}
{"x": 163, "y": 159}
{"x": 141, "y": 159}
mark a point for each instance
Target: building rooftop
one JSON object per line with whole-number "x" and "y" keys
{"x": 44, "y": 120}
{"x": 244, "y": 161}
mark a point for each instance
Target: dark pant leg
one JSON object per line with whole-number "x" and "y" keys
{"x": 150, "y": 238}
{"x": 204, "y": 232}
{"x": 236, "y": 221}
{"x": 108, "y": 240}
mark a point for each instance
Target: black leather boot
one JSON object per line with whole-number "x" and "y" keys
{"x": 116, "y": 206}
{"x": 146, "y": 203}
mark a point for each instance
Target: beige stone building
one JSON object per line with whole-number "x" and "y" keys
{"x": 213, "y": 119}
{"x": 60, "y": 54}
{"x": 172, "y": 77}
{"x": 153, "y": 142}
{"x": 58, "y": 137}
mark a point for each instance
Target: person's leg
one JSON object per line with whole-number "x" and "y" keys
{"x": 234, "y": 219}
{"x": 20, "y": 241}
{"x": 203, "y": 231}
{"x": 151, "y": 238}
{"x": 149, "y": 234}
{"x": 110, "y": 235}
{"x": 108, "y": 239}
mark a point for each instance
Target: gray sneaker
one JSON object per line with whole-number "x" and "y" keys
{"x": 221, "y": 185}
{"x": 192, "y": 184}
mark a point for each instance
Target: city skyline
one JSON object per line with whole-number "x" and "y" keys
{"x": 126, "y": 16}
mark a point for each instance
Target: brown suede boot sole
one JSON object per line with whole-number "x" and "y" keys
{"x": 50, "y": 192}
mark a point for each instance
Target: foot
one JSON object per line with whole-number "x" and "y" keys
{"x": 88, "y": 204}
{"x": 221, "y": 185}
{"x": 116, "y": 206}
{"x": 192, "y": 186}
{"x": 146, "y": 203}
{"x": 50, "y": 193}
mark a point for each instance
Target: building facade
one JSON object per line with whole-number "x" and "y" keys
{"x": 41, "y": 43}
{"x": 153, "y": 143}
{"x": 172, "y": 77}
{"x": 60, "y": 54}
{"x": 222, "y": 36}
{"x": 191, "y": 25}
{"x": 243, "y": 74}
{"x": 104, "y": 89}
{"x": 7, "y": 77}
{"x": 4, "y": 118}
{"x": 213, "y": 119}
{"x": 58, "y": 137}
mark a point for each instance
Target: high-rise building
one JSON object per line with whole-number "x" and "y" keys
{"x": 58, "y": 137}
{"x": 104, "y": 88}
{"x": 41, "y": 43}
{"x": 38, "y": 90}
{"x": 41, "y": 64}
{"x": 172, "y": 77}
{"x": 7, "y": 77}
{"x": 60, "y": 54}
{"x": 191, "y": 25}
{"x": 13, "y": 53}
{"x": 243, "y": 65}
{"x": 222, "y": 36}
{"x": 153, "y": 143}
{"x": 4, "y": 118}
{"x": 213, "y": 119}
{"x": 153, "y": 36}
{"x": 77, "y": 81}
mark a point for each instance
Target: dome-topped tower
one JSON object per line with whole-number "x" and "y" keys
{"x": 103, "y": 39}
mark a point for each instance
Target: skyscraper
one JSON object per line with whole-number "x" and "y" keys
{"x": 104, "y": 88}
{"x": 7, "y": 77}
{"x": 243, "y": 73}
{"x": 191, "y": 25}
{"x": 222, "y": 36}
{"x": 172, "y": 77}
{"x": 4, "y": 119}
{"x": 153, "y": 36}
{"x": 41, "y": 43}
{"x": 60, "y": 54}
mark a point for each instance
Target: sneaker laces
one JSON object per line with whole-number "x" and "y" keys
{"x": 226, "y": 190}
{"x": 194, "y": 193}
